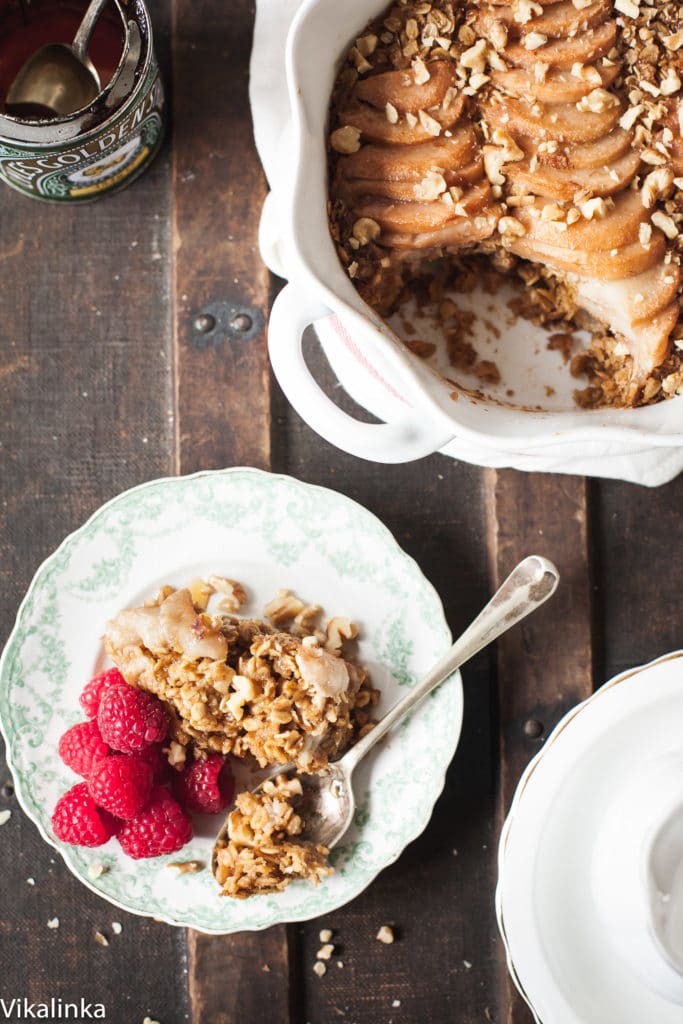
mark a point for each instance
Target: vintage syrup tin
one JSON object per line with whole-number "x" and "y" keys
{"x": 103, "y": 147}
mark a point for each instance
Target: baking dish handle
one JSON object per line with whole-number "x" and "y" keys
{"x": 402, "y": 440}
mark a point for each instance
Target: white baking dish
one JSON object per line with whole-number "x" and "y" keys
{"x": 423, "y": 416}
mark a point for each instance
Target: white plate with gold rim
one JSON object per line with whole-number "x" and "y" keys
{"x": 572, "y": 958}
{"x": 269, "y": 532}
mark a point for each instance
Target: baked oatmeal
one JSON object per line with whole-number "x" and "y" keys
{"x": 265, "y": 851}
{"x": 545, "y": 135}
{"x": 246, "y": 686}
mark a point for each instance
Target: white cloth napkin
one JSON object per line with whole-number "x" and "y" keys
{"x": 271, "y": 112}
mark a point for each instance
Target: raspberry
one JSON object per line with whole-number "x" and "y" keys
{"x": 78, "y": 821}
{"x": 92, "y": 691}
{"x": 163, "y": 827}
{"x": 121, "y": 784}
{"x": 154, "y": 756}
{"x": 130, "y": 719}
{"x": 81, "y": 746}
{"x": 206, "y": 787}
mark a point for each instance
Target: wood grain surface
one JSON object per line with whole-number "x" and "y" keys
{"x": 133, "y": 345}
{"x": 545, "y": 664}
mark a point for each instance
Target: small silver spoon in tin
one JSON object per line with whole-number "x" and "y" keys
{"x": 59, "y": 78}
{"x": 328, "y": 803}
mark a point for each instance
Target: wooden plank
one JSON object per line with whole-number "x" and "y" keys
{"x": 545, "y": 665}
{"x": 639, "y": 596}
{"x": 221, "y": 294}
{"x": 86, "y": 389}
{"x": 238, "y": 978}
{"x": 221, "y": 285}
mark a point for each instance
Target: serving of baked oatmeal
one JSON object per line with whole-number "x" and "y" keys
{"x": 277, "y": 690}
{"x": 545, "y": 136}
{"x": 244, "y": 686}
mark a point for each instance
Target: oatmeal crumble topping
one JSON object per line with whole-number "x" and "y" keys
{"x": 264, "y": 852}
{"x": 549, "y": 133}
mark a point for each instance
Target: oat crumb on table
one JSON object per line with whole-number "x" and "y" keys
{"x": 385, "y": 935}
{"x": 116, "y": 927}
{"x": 319, "y": 968}
{"x": 325, "y": 935}
{"x": 5, "y": 816}
{"x": 101, "y": 939}
{"x": 53, "y": 923}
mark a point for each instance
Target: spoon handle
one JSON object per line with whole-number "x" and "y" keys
{"x": 86, "y": 27}
{"x": 531, "y": 583}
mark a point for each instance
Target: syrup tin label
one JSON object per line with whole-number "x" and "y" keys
{"x": 101, "y": 161}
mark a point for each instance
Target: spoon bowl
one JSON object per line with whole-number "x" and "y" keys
{"x": 328, "y": 804}
{"x": 58, "y": 79}
{"x": 55, "y": 79}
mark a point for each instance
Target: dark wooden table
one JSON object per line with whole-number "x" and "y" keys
{"x": 106, "y": 383}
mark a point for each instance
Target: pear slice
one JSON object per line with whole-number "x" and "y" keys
{"x": 417, "y": 217}
{"x": 647, "y": 341}
{"x": 639, "y": 299}
{"x": 557, "y": 121}
{"x": 557, "y": 86}
{"x": 374, "y": 126}
{"x": 599, "y": 153}
{"x": 612, "y": 265}
{"x": 400, "y": 89}
{"x": 460, "y": 233}
{"x": 406, "y": 191}
{"x": 558, "y": 21}
{"x": 617, "y": 228}
{"x": 412, "y": 163}
{"x": 563, "y": 183}
{"x": 563, "y": 53}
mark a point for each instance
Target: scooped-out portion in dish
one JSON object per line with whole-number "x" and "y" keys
{"x": 542, "y": 135}
{"x": 273, "y": 691}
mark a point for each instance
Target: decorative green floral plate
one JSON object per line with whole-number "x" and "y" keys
{"x": 268, "y": 532}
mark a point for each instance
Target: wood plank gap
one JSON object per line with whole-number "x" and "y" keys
{"x": 545, "y": 665}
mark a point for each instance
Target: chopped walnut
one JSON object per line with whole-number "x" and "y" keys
{"x": 339, "y": 629}
{"x": 284, "y": 607}
{"x": 345, "y": 140}
{"x": 234, "y": 593}
{"x": 366, "y": 230}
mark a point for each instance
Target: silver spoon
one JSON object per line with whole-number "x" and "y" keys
{"x": 58, "y": 78}
{"x": 328, "y": 802}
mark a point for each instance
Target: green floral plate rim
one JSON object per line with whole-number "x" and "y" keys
{"x": 269, "y": 531}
